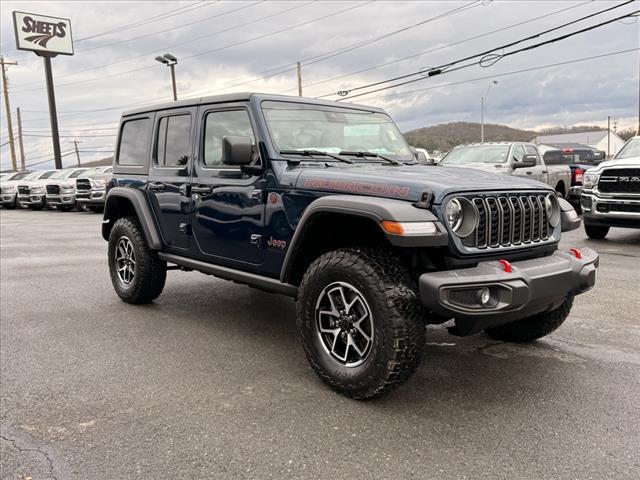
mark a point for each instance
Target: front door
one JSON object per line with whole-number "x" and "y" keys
{"x": 534, "y": 173}
{"x": 169, "y": 175}
{"x": 228, "y": 205}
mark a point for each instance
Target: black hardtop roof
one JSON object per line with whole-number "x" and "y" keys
{"x": 244, "y": 97}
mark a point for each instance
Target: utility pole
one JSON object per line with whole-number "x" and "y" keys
{"x": 75, "y": 143}
{"x": 5, "y": 84}
{"x": 299, "y": 79}
{"x": 482, "y": 119}
{"x": 608, "y": 136}
{"x": 22, "y": 165}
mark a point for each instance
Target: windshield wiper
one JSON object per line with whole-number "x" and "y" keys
{"x": 363, "y": 154}
{"x": 312, "y": 153}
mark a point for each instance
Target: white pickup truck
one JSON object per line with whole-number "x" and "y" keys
{"x": 510, "y": 158}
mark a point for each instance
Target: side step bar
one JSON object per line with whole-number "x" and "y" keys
{"x": 258, "y": 281}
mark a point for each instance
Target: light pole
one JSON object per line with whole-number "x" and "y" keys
{"x": 494, "y": 82}
{"x": 170, "y": 61}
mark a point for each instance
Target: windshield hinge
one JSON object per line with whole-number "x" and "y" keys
{"x": 425, "y": 201}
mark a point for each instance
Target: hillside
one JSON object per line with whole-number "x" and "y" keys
{"x": 445, "y": 136}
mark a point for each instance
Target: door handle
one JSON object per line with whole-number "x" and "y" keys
{"x": 529, "y": 173}
{"x": 201, "y": 189}
{"x": 155, "y": 186}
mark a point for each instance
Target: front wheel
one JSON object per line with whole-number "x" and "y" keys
{"x": 534, "y": 327}
{"x": 595, "y": 231}
{"x": 361, "y": 321}
{"x": 137, "y": 274}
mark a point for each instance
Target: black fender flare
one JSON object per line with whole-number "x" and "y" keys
{"x": 143, "y": 211}
{"x": 374, "y": 208}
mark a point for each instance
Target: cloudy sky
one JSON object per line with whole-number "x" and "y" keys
{"x": 226, "y": 46}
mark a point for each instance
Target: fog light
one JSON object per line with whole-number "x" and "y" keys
{"x": 484, "y": 296}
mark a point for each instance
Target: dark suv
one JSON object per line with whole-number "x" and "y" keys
{"x": 325, "y": 202}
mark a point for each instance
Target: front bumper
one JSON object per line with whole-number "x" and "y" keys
{"x": 8, "y": 198}
{"x": 91, "y": 197}
{"x": 64, "y": 199}
{"x": 575, "y": 192}
{"x": 612, "y": 212}
{"x": 32, "y": 200}
{"x": 532, "y": 286}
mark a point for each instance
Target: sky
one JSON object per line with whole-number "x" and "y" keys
{"x": 230, "y": 46}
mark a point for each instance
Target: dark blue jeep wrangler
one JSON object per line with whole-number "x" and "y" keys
{"x": 325, "y": 202}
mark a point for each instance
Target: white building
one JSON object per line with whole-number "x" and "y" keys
{"x": 597, "y": 140}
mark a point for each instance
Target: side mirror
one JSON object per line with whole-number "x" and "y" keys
{"x": 236, "y": 150}
{"x": 527, "y": 161}
{"x": 422, "y": 158}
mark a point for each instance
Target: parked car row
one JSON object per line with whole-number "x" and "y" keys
{"x": 64, "y": 189}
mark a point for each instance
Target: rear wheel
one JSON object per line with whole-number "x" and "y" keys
{"x": 595, "y": 231}
{"x": 361, "y": 321}
{"x": 534, "y": 327}
{"x": 137, "y": 274}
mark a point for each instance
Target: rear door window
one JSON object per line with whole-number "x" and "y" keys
{"x": 134, "y": 141}
{"x": 173, "y": 145}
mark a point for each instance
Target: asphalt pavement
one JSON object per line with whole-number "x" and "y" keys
{"x": 210, "y": 381}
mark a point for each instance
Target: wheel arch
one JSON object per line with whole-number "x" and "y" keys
{"x": 128, "y": 202}
{"x": 352, "y": 221}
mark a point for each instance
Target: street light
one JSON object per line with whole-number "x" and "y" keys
{"x": 494, "y": 82}
{"x": 170, "y": 61}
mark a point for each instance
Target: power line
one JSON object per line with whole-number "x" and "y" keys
{"x": 155, "y": 18}
{"x": 487, "y": 59}
{"x": 260, "y": 37}
{"x": 67, "y": 136}
{"x": 505, "y": 74}
{"x": 442, "y": 47}
{"x": 168, "y": 46}
{"x": 340, "y": 51}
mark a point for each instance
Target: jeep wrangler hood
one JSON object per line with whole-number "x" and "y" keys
{"x": 406, "y": 182}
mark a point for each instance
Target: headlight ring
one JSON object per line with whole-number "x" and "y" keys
{"x": 461, "y": 216}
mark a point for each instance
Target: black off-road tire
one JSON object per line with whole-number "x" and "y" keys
{"x": 595, "y": 231}
{"x": 397, "y": 315}
{"x": 150, "y": 272}
{"x": 534, "y": 327}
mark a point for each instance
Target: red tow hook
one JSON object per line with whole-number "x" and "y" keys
{"x": 576, "y": 252}
{"x": 506, "y": 265}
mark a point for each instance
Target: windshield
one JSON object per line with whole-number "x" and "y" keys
{"x": 77, "y": 173}
{"x": 296, "y": 126}
{"x": 477, "y": 154}
{"x": 630, "y": 149}
{"x": 59, "y": 174}
{"x": 15, "y": 176}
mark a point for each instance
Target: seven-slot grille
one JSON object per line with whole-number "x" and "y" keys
{"x": 53, "y": 189}
{"x": 83, "y": 184}
{"x": 24, "y": 190}
{"x": 505, "y": 221}
{"x": 620, "y": 180}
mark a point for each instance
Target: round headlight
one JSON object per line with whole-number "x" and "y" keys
{"x": 454, "y": 214}
{"x": 552, "y": 208}
{"x": 461, "y": 216}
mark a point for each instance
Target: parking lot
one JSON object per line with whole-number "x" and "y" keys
{"x": 210, "y": 381}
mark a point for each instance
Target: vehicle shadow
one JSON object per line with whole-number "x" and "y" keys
{"x": 476, "y": 372}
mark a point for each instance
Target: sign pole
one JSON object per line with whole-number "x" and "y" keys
{"x": 53, "y": 114}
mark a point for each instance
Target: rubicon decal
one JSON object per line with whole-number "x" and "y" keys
{"x": 365, "y": 188}
{"x": 41, "y": 33}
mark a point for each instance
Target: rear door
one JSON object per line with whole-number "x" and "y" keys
{"x": 228, "y": 205}
{"x": 169, "y": 174}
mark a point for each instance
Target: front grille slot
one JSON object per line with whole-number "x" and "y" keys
{"x": 620, "y": 180}
{"x": 509, "y": 220}
{"x": 53, "y": 189}
{"x": 24, "y": 190}
{"x": 83, "y": 184}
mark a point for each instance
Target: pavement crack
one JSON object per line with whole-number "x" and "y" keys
{"x": 37, "y": 450}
